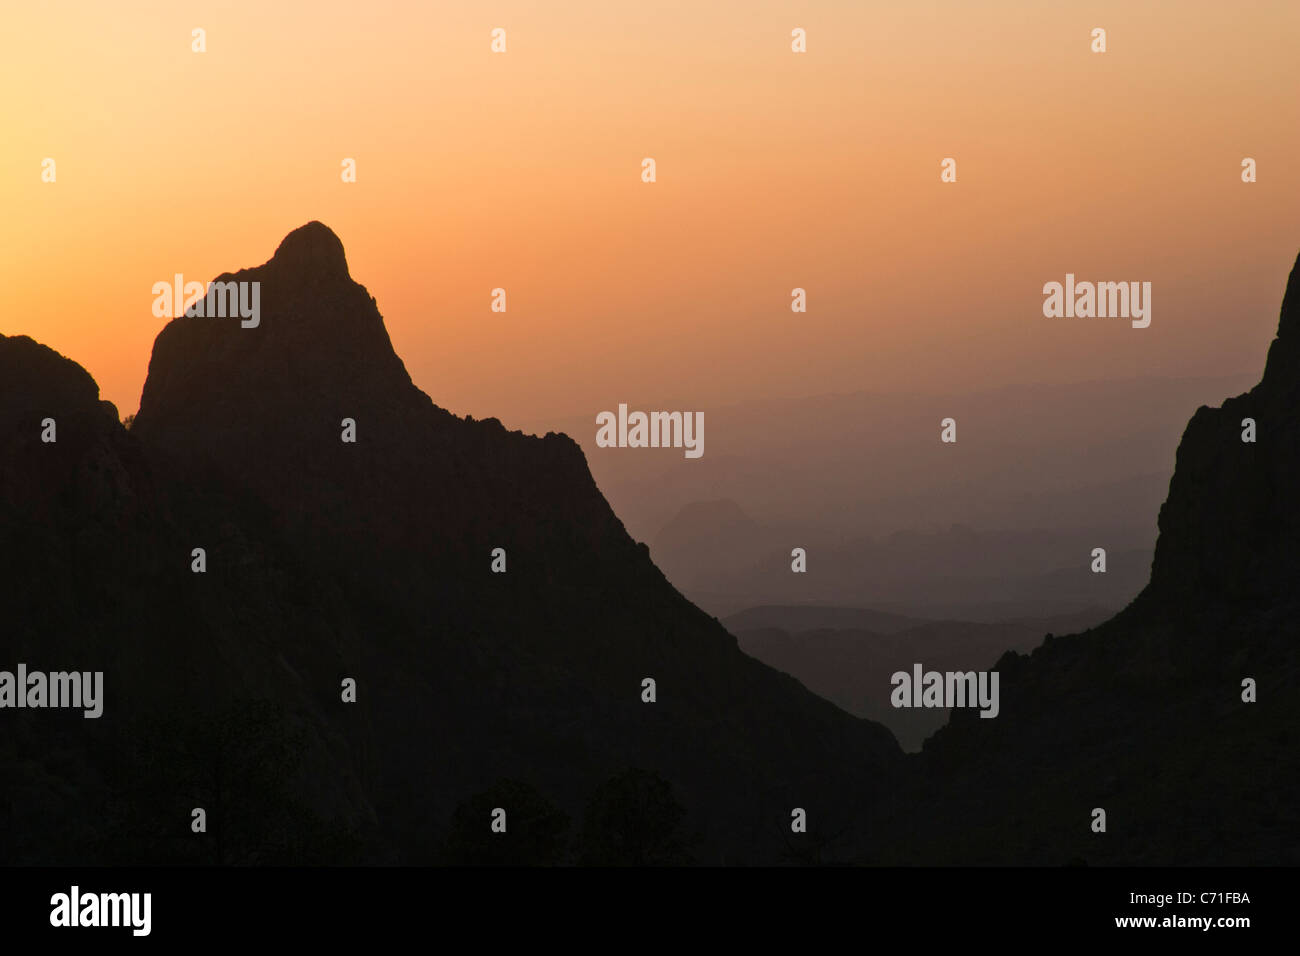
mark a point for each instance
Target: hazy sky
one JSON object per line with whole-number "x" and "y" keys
{"x": 775, "y": 170}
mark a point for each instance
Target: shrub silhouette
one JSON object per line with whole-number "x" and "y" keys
{"x": 535, "y": 829}
{"x": 240, "y": 764}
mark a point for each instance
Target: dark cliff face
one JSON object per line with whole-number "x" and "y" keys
{"x": 1143, "y": 716}
{"x": 372, "y": 560}
{"x": 75, "y": 478}
{"x": 77, "y": 513}
{"x": 1230, "y": 526}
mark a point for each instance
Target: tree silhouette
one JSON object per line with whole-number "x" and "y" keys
{"x": 633, "y": 819}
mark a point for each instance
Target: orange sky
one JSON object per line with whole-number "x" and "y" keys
{"x": 775, "y": 170}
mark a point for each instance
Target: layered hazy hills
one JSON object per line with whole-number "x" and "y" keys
{"x": 725, "y": 561}
{"x": 1143, "y": 716}
{"x": 369, "y": 560}
{"x": 848, "y": 655}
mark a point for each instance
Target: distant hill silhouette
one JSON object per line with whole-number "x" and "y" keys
{"x": 328, "y": 560}
{"x": 848, "y": 655}
{"x": 812, "y": 617}
{"x": 706, "y": 535}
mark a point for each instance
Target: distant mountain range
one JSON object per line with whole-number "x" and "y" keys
{"x": 995, "y": 525}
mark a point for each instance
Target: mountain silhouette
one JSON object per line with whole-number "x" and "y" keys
{"x": 371, "y": 560}
{"x": 326, "y": 561}
{"x": 1143, "y": 716}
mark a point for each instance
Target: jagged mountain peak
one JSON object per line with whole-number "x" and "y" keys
{"x": 315, "y": 248}
{"x": 308, "y": 343}
{"x": 1284, "y": 354}
{"x": 1230, "y": 522}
